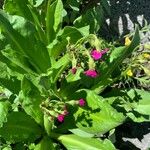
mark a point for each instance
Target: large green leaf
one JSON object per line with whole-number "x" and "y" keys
{"x": 115, "y": 59}
{"x": 20, "y": 35}
{"x": 45, "y": 144}
{"x": 74, "y": 142}
{"x": 24, "y": 8}
{"x": 135, "y": 103}
{"x": 53, "y": 19}
{"x": 97, "y": 117}
{"x": 31, "y": 100}
{"x": 4, "y": 108}
{"x": 140, "y": 100}
{"x": 20, "y": 127}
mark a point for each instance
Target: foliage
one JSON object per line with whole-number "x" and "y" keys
{"x": 57, "y": 83}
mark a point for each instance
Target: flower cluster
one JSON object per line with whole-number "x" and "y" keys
{"x": 94, "y": 55}
{"x": 61, "y": 116}
{"x": 81, "y": 102}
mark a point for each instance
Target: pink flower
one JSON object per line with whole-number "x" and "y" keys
{"x": 91, "y": 73}
{"x": 96, "y": 55}
{"x": 74, "y": 70}
{"x": 60, "y": 118}
{"x": 81, "y": 102}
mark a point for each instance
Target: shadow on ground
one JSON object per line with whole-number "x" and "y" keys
{"x": 133, "y": 136}
{"x": 124, "y": 15}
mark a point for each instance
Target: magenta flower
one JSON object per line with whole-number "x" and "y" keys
{"x": 91, "y": 73}
{"x": 74, "y": 70}
{"x": 81, "y": 102}
{"x": 96, "y": 55}
{"x": 60, "y": 118}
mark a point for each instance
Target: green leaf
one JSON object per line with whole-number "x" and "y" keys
{"x": 12, "y": 68}
{"x": 71, "y": 84}
{"x": 19, "y": 32}
{"x": 81, "y": 133}
{"x": 74, "y": 4}
{"x": 106, "y": 6}
{"x": 36, "y": 3}
{"x": 45, "y": 144}
{"x": 134, "y": 103}
{"x": 53, "y": 19}
{"x": 4, "y": 108}
{"x": 58, "y": 46}
{"x": 8, "y": 81}
{"x": 47, "y": 124}
{"x": 92, "y": 17}
{"x": 136, "y": 117}
{"x": 115, "y": 59}
{"x": 97, "y": 117}
{"x": 20, "y": 127}
{"x": 18, "y": 59}
{"x": 26, "y": 10}
{"x": 74, "y": 142}
{"x": 59, "y": 66}
{"x": 31, "y": 100}
{"x": 140, "y": 100}
{"x": 84, "y": 30}
{"x": 17, "y": 7}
